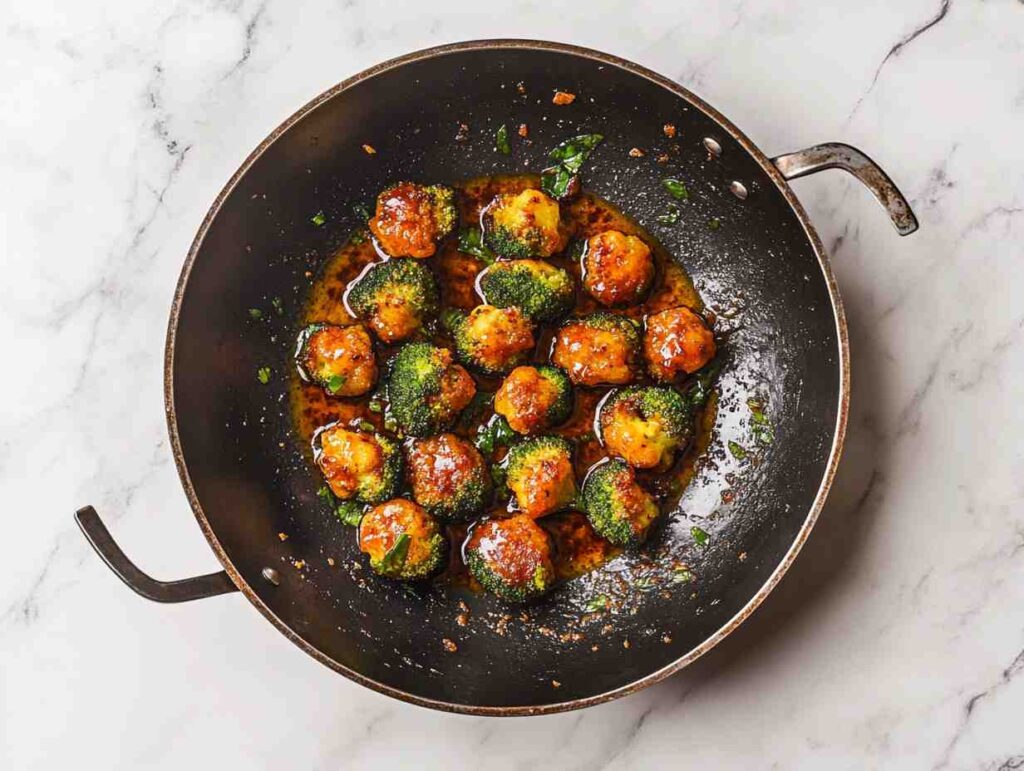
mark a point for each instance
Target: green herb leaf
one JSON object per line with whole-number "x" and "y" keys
{"x": 700, "y": 388}
{"x": 645, "y": 583}
{"x": 671, "y": 215}
{"x": 600, "y": 602}
{"x": 394, "y": 560}
{"x": 278, "y": 305}
{"x": 349, "y": 512}
{"x": 318, "y": 219}
{"x": 501, "y": 140}
{"x": 362, "y": 211}
{"x": 357, "y": 237}
{"x": 561, "y": 180}
{"x": 737, "y": 451}
{"x": 471, "y": 241}
{"x": 324, "y": 493}
{"x": 366, "y": 425}
{"x": 375, "y": 405}
{"x": 760, "y": 426}
{"x": 263, "y": 375}
{"x": 676, "y": 189}
{"x": 255, "y": 313}
{"x": 699, "y": 535}
{"x": 335, "y": 383}
{"x": 715, "y": 224}
{"x": 497, "y": 433}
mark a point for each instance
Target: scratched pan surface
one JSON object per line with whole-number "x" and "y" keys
{"x": 248, "y": 477}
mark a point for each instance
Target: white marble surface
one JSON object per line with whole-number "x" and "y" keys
{"x": 898, "y": 639}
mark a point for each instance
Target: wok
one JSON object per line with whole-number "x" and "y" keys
{"x": 760, "y": 266}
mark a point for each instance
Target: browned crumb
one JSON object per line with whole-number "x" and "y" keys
{"x": 606, "y": 629}
{"x": 546, "y": 631}
{"x": 463, "y": 607}
{"x": 666, "y": 639}
{"x": 524, "y": 130}
{"x": 521, "y": 87}
{"x": 626, "y": 643}
{"x": 449, "y": 645}
{"x": 555, "y": 684}
{"x": 524, "y": 617}
{"x": 563, "y": 97}
{"x": 663, "y": 158}
{"x": 636, "y": 152}
{"x": 299, "y": 564}
{"x": 727, "y": 496}
{"x": 742, "y": 556}
{"x": 283, "y": 536}
{"x": 570, "y": 637}
{"x": 593, "y": 648}
{"x": 368, "y": 149}
{"x": 462, "y": 619}
{"x": 502, "y": 626}
{"x": 463, "y": 133}
{"x": 669, "y": 129}
{"x": 308, "y": 274}
{"x": 330, "y": 561}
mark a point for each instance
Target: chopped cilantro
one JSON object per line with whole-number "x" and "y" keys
{"x": 365, "y": 425}
{"x": 600, "y": 602}
{"x": 349, "y": 512}
{"x": 737, "y": 450}
{"x": 395, "y": 558}
{"x": 471, "y": 242}
{"x": 318, "y": 219}
{"x": 375, "y": 405}
{"x": 255, "y": 313}
{"x": 278, "y": 305}
{"x": 699, "y": 535}
{"x": 715, "y": 224}
{"x": 676, "y": 189}
{"x": 497, "y": 433}
{"x": 501, "y": 140}
{"x": 682, "y": 576}
{"x": 671, "y": 215}
{"x": 335, "y": 382}
{"x": 263, "y": 375}
{"x": 362, "y": 211}
{"x": 324, "y": 493}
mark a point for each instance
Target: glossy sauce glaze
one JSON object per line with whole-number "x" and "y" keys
{"x": 578, "y": 549}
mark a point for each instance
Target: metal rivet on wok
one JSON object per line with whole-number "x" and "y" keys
{"x": 272, "y": 575}
{"x": 738, "y": 189}
{"x": 712, "y": 146}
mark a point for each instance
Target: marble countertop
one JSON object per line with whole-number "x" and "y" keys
{"x": 896, "y": 641}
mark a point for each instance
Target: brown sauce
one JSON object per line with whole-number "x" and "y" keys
{"x": 578, "y": 549}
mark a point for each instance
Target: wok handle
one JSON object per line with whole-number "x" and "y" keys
{"x": 197, "y": 588}
{"x": 836, "y": 155}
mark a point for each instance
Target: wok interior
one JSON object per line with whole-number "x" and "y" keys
{"x": 756, "y": 269}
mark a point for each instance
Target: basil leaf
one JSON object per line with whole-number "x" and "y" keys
{"x": 559, "y": 183}
{"x": 572, "y": 153}
{"x": 471, "y": 241}
{"x": 394, "y": 560}
{"x": 501, "y": 140}
{"x": 676, "y": 189}
{"x": 497, "y": 433}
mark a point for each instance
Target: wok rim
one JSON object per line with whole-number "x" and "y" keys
{"x": 784, "y": 564}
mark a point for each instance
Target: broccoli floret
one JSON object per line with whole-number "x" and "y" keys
{"x": 645, "y": 425}
{"x": 426, "y": 390}
{"x": 338, "y": 359}
{"x": 402, "y": 540}
{"x": 533, "y": 399}
{"x": 449, "y": 477}
{"x": 526, "y": 224}
{"x": 540, "y": 474}
{"x": 411, "y": 219}
{"x": 511, "y": 558}
{"x": 619, "y": 509}
{"x": 358, "y": 464}
{"x": 491, "y": 340}
{"x": 542, "y": 291}
{"x": 395, "y": 298}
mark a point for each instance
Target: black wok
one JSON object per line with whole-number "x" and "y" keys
{"x": 761, "y": 266}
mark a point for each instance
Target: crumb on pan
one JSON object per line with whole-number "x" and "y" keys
{"x": 636, "y": 152}
{"x": 669, "y": 129}
{"x": 563, "y": 98}
{"x": 369, "y": 150}
{"x": 449, "y": 645}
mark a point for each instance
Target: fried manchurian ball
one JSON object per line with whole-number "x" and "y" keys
{"x": 395, "y": 298}
{"x": 533, "y": 399}
{"x": 402, "y": 540}
{"x": 645, "y": 426}
{"x": 599, "y": 349}
{"x": 617, "y": 269}
{"x": 492, "y": 340}
{"x": 511, "y": 558}
{"x": 619, "y": 509}
{"x": 427, "y": 390}
{"x": 338, "y": 359}
{"x": 448, "y": 476}
{"x": 411, "y": 219}
{"x": 526, "y": 224}
{"x": 677, "y": 342}
{"x": 540, "y": 474}
{"x": 358, "y": 464}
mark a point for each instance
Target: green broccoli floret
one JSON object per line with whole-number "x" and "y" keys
{"x": 619, "y": 509}
{"x": 525, "y": 224}
{"x": 491, "y": 340}
{"x": 540, "y": 474}
{"x": 511, "y": 558}
{"x": 542, "y": 291}
{"x": 396, "y": 298}
{"x": 645, "y": 425}
{"x": 426, "y": 390}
